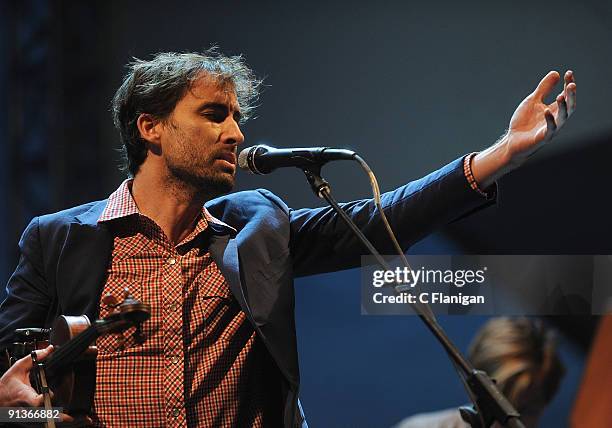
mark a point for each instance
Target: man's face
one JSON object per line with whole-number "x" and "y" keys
{"x": 200, "y": 137}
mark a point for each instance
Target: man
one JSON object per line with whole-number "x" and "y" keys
{"x": 220, "y": 346}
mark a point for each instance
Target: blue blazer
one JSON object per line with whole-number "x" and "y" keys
{"x": 64, "y": 257}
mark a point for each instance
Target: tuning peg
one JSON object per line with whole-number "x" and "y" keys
{"x": 128, "y": 299}
{"x": 110, "y": 301}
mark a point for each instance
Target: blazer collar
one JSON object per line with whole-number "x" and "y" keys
{"x": 91, "y": 216}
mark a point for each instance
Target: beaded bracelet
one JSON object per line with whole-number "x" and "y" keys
{"x": 467, "y": 170}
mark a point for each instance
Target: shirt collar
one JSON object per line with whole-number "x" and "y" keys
{"x": 121, "y": 204}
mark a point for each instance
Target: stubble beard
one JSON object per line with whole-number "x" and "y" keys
{"x": 205, "y": 182}
{"x": 198, "y": 177}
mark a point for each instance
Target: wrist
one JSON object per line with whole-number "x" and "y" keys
{"x": 492, "y": 163}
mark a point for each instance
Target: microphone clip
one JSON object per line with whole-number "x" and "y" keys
{"x": 317, "y": 183}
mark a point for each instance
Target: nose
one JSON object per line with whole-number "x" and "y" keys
{"x": 233, "y": 134}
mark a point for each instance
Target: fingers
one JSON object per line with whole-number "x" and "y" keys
{"x": 26, "y": 396}
{"x": 41, "y": 354}
{"x": 568, "y": 78}
{"x": 546, "y": 85}
{"x": 34, "y": 399}
{"x": 549, "y": 81}
{"x": 571, "y": 98}
{"x": 25, "y": 363}
{"x": 38, "y": 400}
{"x": 551, "y": 126}
{"x": 29, "y": 397}
{"x": 23, "y": 393}
{"x": 566, "y": 100}
{"x": 562, "y": 111}
{"x": 570, "y": 92}
{"x": 545, "y": 133}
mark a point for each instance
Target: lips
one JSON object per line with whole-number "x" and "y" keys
{"x": 228, "y": 156}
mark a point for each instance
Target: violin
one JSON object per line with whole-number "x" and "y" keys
{"x": 70, "y": 370}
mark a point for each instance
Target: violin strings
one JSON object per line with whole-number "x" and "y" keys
{"x": 67, "y": 353}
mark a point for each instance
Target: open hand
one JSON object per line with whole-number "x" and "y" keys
{"x": 534, "y": 123}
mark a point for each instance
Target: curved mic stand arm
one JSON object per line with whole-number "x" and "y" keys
{"x": 488, "y": 399}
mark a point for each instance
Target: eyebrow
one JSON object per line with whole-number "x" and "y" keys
{"x": 219, "y": 106}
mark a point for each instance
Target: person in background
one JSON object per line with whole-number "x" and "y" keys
{"x": 520, "y": 355}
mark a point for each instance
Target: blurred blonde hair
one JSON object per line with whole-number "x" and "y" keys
{"x": 520, "y": 354}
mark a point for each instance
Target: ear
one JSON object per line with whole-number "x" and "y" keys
{"x": 149, "y": 128}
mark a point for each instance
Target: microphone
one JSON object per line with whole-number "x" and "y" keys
{"x": 262, "y": 159}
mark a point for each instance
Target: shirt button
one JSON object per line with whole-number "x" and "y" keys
{"x": 176, "y": 412}
{"x": 173, "y": 307}
{"x": 171, "y": 261}
{"x": 174, "y": 359}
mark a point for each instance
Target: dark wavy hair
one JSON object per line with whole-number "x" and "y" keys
{"x": 157, "y": 85}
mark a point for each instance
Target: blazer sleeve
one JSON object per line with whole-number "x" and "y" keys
{"x": 321, "y": 241}
{"x": 27, "y": 301}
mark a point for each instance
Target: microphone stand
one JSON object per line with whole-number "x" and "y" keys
{"x": 486, "y": 397}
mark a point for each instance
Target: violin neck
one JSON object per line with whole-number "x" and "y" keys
{"x": 67, "y": 354}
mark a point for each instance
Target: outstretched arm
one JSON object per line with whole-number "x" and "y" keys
{"x": 532, "y": 125}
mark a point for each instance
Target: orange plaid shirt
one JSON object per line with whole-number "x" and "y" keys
{"x": 202, "y": 364}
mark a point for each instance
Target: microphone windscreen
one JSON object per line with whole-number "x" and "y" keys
{"x": 243, "y": 163}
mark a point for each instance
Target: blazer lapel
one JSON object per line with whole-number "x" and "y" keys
{"x": 224, "y": 251}
{"x": 85, "y": 264}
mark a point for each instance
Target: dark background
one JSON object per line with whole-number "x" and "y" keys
{"x": 409, "y": 85}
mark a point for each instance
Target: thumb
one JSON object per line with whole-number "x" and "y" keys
{"x": 38, "y": 400}
{"x": 546, "y": 85}
{"x": 32, "y": 398}
{"x": 28, "y": 396}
